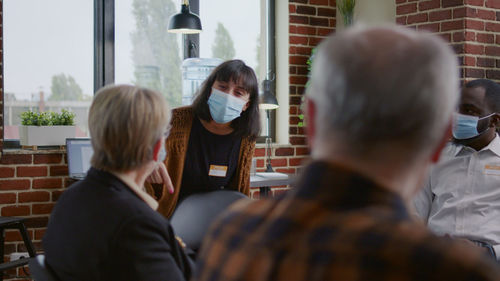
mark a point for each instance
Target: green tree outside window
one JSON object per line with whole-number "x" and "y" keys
{"x": 155, "y": 52}
{"x": 65, "y": 88}
{"x": 223, "y": 46}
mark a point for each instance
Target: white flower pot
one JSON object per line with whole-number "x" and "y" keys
{"x": 45, "y": 135}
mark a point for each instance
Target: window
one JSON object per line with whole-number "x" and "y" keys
{"x": 228, "y": 34}
{"x": 48, "y": 59}
{"x": 145, "y": 53}
{"x": 76, "y": 47}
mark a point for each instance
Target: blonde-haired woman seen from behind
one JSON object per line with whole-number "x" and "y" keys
{"x": 106, "y": 227}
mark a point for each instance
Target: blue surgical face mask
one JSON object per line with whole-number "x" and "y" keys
{"x": 162, "y": 155}
{"x": 224, "y": 107}
{"x": 465, "y": 126}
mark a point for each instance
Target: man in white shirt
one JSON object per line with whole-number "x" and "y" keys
{"x": 462, "y": 196}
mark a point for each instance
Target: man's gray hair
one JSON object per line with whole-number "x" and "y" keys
{"x": 382, "y": 85}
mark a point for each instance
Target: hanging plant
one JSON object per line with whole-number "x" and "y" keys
{"x": 346, "y": 9}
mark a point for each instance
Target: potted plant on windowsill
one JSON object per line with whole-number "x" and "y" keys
{"x": 46, "y": 128}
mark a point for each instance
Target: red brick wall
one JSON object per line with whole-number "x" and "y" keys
{"x": 471, "y": 26}
{"x": 30, "y": 183}
{"x": 310, "y": 22}
{"x": 29, "y": 187}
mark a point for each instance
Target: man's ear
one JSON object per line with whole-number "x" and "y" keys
{"x": 156, "y": 149}
{"x": 444, "y": 140}
{"x": 495, "y": 121}
{"x": 310, "y": 120}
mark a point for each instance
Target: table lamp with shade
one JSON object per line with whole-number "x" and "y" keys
{"x": 268, "y": 102}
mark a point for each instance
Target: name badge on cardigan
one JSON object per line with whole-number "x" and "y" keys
{"x": 492, "y": 170}
{"x": 217, "y": 171}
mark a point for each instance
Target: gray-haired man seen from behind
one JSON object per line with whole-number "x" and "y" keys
{"x": 378, "y": 114}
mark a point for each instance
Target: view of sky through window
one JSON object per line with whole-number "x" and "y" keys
{"x": 49, "y": 49}
{"x": 48, "y": 59}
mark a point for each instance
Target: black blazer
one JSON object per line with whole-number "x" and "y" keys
{"x": 101, "y": 230}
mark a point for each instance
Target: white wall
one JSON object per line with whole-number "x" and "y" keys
{"x": 282, "y": 76}
{"x": 370, "y": 12}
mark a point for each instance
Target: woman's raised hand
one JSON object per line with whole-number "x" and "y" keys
{"x": 160, "y": 176}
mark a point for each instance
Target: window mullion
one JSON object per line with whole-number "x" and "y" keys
{"x": 104, "y": 41}
{"x": 191, "y": 42}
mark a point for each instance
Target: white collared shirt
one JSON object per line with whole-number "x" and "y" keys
{"x": 462, "y": 195}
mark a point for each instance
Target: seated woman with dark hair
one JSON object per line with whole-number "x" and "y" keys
{"x": 106, "y": 227}
{"x": 211, "y": 143}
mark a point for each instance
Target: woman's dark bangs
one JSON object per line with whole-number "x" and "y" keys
{"x": 225, "y": 74}
{"x": 239, "y": 75}
{"x": 246, "y": 79}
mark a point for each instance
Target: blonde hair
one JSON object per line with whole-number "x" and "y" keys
{"x": 125, "y": 122}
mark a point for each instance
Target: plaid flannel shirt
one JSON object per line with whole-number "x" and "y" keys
{"x": 335, "y": 225}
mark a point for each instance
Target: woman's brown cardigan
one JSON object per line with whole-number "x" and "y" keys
{"x": 176, "y": 146}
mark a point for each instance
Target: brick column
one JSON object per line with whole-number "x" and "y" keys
{"x": 471, "y": 26}
{"x": 310, "y": 22}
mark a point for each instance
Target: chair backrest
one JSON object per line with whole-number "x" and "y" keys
{"x": 39, "y": 271}
{"x": 195, "y": 214}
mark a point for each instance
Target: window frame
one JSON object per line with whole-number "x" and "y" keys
{"x": 15, "y": 143}
{"x": 104, "y": 51}
{"x": 104, "y": 43}
{"x": 104, "y": 47}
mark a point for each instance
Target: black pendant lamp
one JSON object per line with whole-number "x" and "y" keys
{"x": 185, "y": 21}
{"x": 268, "y": 102}
{"x": 267, "y": 98}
